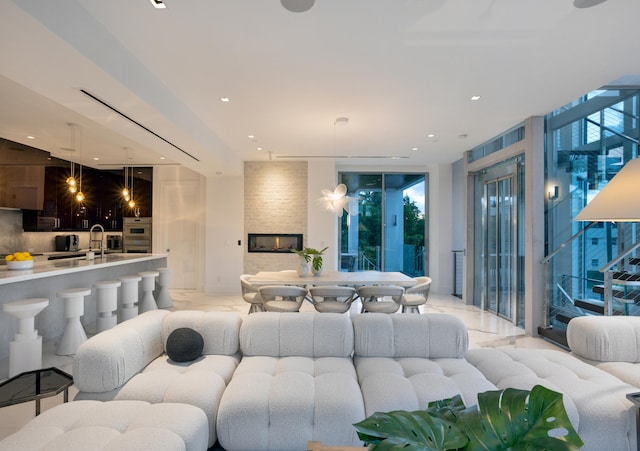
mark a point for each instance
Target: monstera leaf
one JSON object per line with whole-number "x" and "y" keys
{"x": 507, "y": 419}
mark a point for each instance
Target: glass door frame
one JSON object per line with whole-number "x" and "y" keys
{"x": 388, "y": 219}
{"x": 491, "y": 277}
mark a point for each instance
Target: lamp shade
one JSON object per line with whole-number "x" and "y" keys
{"x": 619, "y": 200}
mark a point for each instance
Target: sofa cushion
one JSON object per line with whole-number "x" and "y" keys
{"x": 296, "y": 382}
{"x": 297, "y": 334}
{"x": 184, "y": 345}
{"x": 605, "y": 338}
{"x": 594, "y": 400}
{"x": 109, "y": 359}
{"x": 111, "y": 426}
{"x": 428, "y": 336}
{"x": 200, "y": 382}
{"x": 281, "y": 403}
{"x": 218, "y": 329}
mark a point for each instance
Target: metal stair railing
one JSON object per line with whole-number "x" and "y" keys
{"x": 545, "y": 262}
{"x": 608, "y": 277}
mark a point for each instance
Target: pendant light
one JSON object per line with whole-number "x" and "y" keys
{"x": 125, "y": 188}
{"x": 80, "y": 195}
{"x": 71, "y": 180}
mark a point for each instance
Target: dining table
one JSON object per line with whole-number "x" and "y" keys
{"x": 356, "y": 278}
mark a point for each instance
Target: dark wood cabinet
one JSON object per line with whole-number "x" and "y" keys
{"x": 32, "y": 180}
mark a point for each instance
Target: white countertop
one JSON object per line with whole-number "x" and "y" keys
{"x": 48, "y": 268}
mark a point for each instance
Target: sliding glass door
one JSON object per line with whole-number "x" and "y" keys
{"x": 390, "y": 231}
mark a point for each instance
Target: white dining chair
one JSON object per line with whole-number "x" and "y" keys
{"x": 332, "y": 299}
{"x": 282, "y": 298}
{"x": 250, "y": 294}
{"x": 416, "y": 296}
{"x": 374, "y": 298}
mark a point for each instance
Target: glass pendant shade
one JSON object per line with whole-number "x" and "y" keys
{"x": 80, "y": 196}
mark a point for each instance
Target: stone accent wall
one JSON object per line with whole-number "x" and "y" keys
{"x": 275, "y": 201}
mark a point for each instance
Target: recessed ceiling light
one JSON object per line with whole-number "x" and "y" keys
{"x": 587, "y": 3}
{"x": 415, "y": 148}
{"x": 475, "y": 97}
{"x": 158, "y": 4}
{"x": 431, "y": 135}
{"x": 96, "y": 159}
{"x": 31, "y": 137}
{"x": 224, "y": 99}
{"x": 297, "y": 6}
{"x": 341, "y": 121}
{"x": 163, "y": 158}
{"x": 258, "y": 148}
{"x": 250, "y": 136}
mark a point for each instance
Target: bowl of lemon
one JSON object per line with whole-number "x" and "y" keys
{"x": 19, "y": 260}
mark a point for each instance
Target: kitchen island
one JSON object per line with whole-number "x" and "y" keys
{"x": 48, "y": 277}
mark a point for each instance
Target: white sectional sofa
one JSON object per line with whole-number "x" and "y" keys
{"x": 611, "y": 343}
{"x": 594, "y": 400}
{"x": 278, "y": 380}
{"x": 128, "y": 362}
{"x": 113, "y": 426}
{"x": 296, "y": 382}
{"x": 404, "y": 362}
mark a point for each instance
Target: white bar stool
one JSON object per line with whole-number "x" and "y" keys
{"x": 107, "y": 304}
{"x": 163, "y": 298}
{"x": 148, "y": 284}
{"x": 25, "y": 351}
{"x": 129, "y": 297}
{"x": 74, "y": 334}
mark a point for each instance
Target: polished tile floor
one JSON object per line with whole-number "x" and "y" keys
{"x": 485, "y": 330}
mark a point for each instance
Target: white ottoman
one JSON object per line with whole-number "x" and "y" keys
{"x": 113, "y": 425}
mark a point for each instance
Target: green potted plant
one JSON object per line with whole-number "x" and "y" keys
{"x": 508, "y": 419}
{"x": 309, "y": 254}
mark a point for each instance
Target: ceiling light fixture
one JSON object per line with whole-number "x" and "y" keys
{"x": 475, "y": 97}
{"x": 431, "y": 135}
{"x": 224, "y": 99}
{"x": 158, "y": 4}
{"x": 297, "y": 6}
{"x": 31, "y": 137}
{"x": 586, "y": 3}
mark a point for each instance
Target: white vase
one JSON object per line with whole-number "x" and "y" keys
{"x": 303, "y": 268}
{"x": 316, "y": 272}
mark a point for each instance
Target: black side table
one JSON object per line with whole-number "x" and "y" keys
{"x": 35, "y": 385}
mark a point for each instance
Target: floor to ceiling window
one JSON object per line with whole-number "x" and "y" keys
{"x": 389, "y": 233}
{"x": 587, "y": 142}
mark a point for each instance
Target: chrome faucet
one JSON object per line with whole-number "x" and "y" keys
{"x": 100, "y": 241}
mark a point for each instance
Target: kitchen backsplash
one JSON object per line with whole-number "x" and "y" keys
{"x": 13, "y": 239}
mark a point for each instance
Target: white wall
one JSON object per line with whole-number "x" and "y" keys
{"x": 179, "y": 222}
{"x": 222, "y": 209}
{"x": 322, "y": 225}
{"x": 224, "y": 229}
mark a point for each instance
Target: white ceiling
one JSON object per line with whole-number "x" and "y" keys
{"x": 398, "y": 69}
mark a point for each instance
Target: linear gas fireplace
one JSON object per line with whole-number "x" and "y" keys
{"x": 274, "y": 242}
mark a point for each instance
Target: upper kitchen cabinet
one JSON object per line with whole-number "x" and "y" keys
{"x": 21, "y": 175}
{"x": 32, "y": 180}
